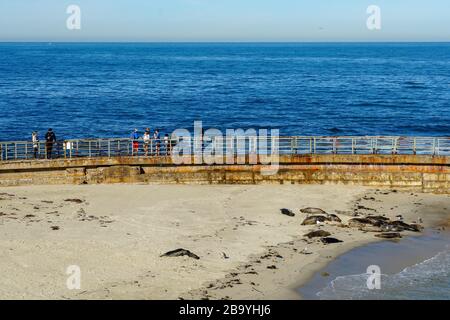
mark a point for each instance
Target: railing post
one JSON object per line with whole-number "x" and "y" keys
{"x": 414, "y": 145}
{"x": 89, "y": 148}
{"x": 314, "y": 145}
{"x": 109, "y": 148}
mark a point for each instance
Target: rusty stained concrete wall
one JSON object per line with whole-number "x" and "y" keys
{"x": 419, "y": 173}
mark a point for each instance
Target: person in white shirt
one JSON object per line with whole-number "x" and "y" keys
{"x": 167, "y": 144}
{"x": 35, "y": 141}
{"x": 147, "y": 139}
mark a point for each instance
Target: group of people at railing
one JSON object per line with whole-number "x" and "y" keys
{"x": 149, "y": 143}
{"x": 50, "y": 140}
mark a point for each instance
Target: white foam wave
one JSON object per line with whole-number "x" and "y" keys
{"x": 429, "y": 279}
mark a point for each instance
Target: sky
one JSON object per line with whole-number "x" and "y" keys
{"x": 224, "y": 20}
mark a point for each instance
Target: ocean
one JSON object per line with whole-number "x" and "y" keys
{"x": 414, "y": 268}
{"x": 85, "y": 90}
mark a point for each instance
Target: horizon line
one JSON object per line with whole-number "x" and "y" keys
{"x": 231, "y": 42}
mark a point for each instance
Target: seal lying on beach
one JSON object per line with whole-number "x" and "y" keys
{"x": 179, "y": 253}
{"x": 313, "y": 211}
{"x": 317, "y": 233}
{"x": 383, "y": 223}
{"x": 287, "y": 212}
{"x": 311, "y": 220}
{"x": 328, "y": 240}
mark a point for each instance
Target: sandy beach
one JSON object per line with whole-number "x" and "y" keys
{"x": 247, "y": 248}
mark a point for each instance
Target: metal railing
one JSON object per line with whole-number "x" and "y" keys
{"x": 295, "y": 145}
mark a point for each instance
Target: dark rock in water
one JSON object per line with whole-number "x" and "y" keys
{"x": 317, "y": 233}
{"x": 179, "y": 253}
{"x": 389, "y": 235}
{"x": 287, "y": 212}
{"x": 313, "y": 211}
{"x": 311, "y": 220}
{"x": 329, "y": 240}
{"x": 334, "y": 217}
{"x": 74, "y": 200}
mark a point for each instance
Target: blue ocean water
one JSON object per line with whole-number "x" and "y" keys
{"x": 414, "y": 268}
{"x": 105, "y": 90}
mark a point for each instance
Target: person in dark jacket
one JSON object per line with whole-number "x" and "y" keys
{"x": 50, "y": 139}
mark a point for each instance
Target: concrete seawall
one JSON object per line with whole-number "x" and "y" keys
{"x": 412, "y": 172}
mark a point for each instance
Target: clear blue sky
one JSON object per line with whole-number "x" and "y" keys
{"x": 224, "y": 20}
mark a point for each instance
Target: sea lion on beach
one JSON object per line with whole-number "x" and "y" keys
{"x": 312, "y": 220}
{"x": 179, "y": 253}
{"x": 329, "y": 240}
{"x": 287, "y": 212}
{"x": 317, "y": 233}
{"x": 313, "y": 211}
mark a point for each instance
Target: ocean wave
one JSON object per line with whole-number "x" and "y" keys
{"x": 429, "y": 279}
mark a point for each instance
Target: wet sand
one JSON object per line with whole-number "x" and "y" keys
{"x": 116, "y": 234}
